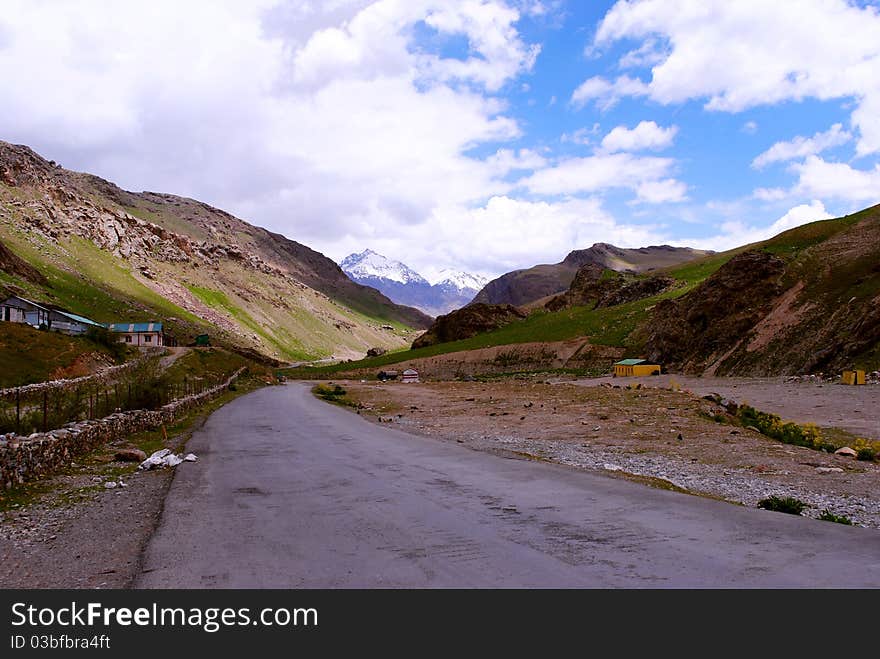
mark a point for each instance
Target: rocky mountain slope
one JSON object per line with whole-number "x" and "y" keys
{"x": 111, "y": 254}
{"x": 404, "y": 285}
{"x": 522, "y": 287}
{"x": 467, "y": 322}
{"x": 805, "y": 301}
{"x": 596, "y": 286}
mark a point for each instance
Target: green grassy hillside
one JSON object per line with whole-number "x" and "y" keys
{"x": 83, "y": 244}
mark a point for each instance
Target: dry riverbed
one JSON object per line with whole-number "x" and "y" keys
{"x": 656, "y": 435}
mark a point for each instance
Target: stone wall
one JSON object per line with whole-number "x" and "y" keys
{"x": 24, "y": 459}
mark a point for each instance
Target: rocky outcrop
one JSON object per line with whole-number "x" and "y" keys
{"x": 702, "y": 327}
{"x": 467, "y": 322}
{"x": 595, "y": 286}
{"x": 11, "y": 264}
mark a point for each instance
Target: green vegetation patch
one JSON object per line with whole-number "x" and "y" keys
{"x": 788, "y": 505}
{"x": 828, "y": 516}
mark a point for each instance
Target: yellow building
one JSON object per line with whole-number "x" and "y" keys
{"x": 853, "y": 377}
{"x": 635, "y": 368}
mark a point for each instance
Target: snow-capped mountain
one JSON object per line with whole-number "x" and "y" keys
{"x": 449, "y": 290}
{"x": 463, "y": 281}
{"x": 369, "y": 264}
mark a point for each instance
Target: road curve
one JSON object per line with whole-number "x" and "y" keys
{"x": 291, "y": 492}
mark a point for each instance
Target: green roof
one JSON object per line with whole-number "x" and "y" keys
{"x": 630, "y": 362}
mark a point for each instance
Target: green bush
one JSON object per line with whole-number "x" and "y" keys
{"x": 828, "y": 516}
{"x": 788, "y": 505}
{"x": 866, "y": 453}
{"x": 108, "y": 340}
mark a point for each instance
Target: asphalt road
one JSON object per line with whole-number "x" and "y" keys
{"x": 291, "y": 492}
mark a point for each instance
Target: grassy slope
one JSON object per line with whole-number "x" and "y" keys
{"x": 292, "y": 323}
{"x": 615, "y": 326}
{"x": 28, "y": 355}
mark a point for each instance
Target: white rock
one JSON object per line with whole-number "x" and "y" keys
{"x": 190, "y": 457}
{"x": 110, "y": 485}
{"x": 846, "y": 450}
{"x": 610, "y": 467}
{"x": 829, "y": 470}
{"x": 157, "y": 459}
{"x": 172, "y": 460}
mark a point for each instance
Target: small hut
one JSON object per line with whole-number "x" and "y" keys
{"x": 635, "y": 368}
{"x": 410, "y": 375}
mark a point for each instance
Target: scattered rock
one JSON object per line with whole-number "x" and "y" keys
{"x": 190, "y": 457}
{"x": 846, "y": 450}
{"x": 110, "y": 485}
{"x": 829, "y": 470}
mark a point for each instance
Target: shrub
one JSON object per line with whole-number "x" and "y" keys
{"x": 866, "y": 453}
{"x": 329, "y": 393}
{"x": 788, "y": 505}
{"x": 828, "y": 516}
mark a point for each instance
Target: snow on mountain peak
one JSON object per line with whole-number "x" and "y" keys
{"x": 370, "y": 264}
{"x": 460, "y": 280}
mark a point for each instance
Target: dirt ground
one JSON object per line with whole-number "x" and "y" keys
{"x": 660, "y": 436}
{"x": 855, "y": 409}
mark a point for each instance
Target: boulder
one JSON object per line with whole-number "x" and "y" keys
{"x": 847, "y": 451}
{"x": 130, "y": 455}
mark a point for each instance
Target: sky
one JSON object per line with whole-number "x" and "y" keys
{"x": 479, "y": 135}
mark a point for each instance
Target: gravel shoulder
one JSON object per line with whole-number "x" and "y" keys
{"x": 662, "y": 437}
{"x": 71, "y": 530}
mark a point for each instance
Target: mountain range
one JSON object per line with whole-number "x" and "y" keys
{"x": 450, "y": 289}
{"x": 80, "y": 242}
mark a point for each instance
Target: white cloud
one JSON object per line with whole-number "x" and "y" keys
{"x": 736, "y": 233}
{"x": 750, "y": 127}
{"x": 598, "y": 172}
{"x": 648, "y": 54}
{"x": 801, "y": 147}
{"x": 827, "y": 180}
{"x": 507, "y": 233}
{"x": 769, "y": 194}
{"x": 505, "y": 161}
{"x": 749, "y": 53}
{"x": 320, "y": 120}
{"x": 605, "y": 93}
{"x": 646, "y": 135}
{"x": 664, "y": 191}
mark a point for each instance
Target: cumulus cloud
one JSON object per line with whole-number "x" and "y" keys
{"x": 598, "y": 172}
{"x": 646, "y": 135}
{"x": 735, "y": 233}
{"x": 319, "y": 120}
{"x": 801, "y": 147}
{"x": 605, "y": 93}
{"x": 750, "y": 53}
{"x": 836, "y": 180}
{"x": 511, "y": 233}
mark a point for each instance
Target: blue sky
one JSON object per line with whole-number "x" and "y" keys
{"x": 482, "y": 135}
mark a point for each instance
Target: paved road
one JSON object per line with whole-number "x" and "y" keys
{"x": 291, "y": 492}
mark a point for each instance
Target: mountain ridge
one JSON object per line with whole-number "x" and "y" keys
{"x": 528, "y": 285}
{"x": 449, "y": 290}
{"x": 156, "y": 252}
